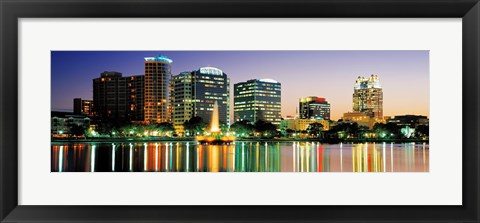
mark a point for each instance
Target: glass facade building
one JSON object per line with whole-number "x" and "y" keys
{"x": 314, "y": 108}
{"x": 368, "y": 96}
{"x": 258, "y": 99}
{"x": 157, "y": 89}
{"x": 194, "y": 94}
{"x": 182, "y": 100}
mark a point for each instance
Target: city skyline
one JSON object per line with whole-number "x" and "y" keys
{"x": 328, "y": 74}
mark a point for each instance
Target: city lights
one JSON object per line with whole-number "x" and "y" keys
{"x": 157, "y": 115}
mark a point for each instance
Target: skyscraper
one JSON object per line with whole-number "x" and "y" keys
{"x": 110, "y": 96}
{"x": 157, "y": 89}
{"x": 314, "y": 108}
{"x": 182, "y": 100}
{"x": 115, "y": 97}
{"x": 194, "y": 94}
{"x": 258, "y": 100}
{"x": 368, "y": 96}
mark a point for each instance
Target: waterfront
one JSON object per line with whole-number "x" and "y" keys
{"x": 239, "y": 157}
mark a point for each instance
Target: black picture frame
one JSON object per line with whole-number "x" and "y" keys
{"x": 11, "y": 11}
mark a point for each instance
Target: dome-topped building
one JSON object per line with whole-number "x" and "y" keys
{"x": 195, "y": 93}
{"x": 211, "y": 70}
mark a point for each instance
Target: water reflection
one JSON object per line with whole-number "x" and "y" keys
{"x": 240, "y": 157}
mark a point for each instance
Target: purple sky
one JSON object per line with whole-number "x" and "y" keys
{"x": 404, "y": 75}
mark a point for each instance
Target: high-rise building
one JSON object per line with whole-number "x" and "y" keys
{"x": 314, "y": 108}
{"x": 258, "y": 100}
{"x": 157, "y": 89}
{"x": 368, "y": 96}
{"x": 110, "y": 92}
{"x": 83, "y": 107}
{"x": 194, "y": 94}
{"x": 182, "y": 100}
{"x": 136, "y": 94}
{"x": 115, "y": 97}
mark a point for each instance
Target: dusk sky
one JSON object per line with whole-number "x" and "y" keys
{"x": 404, "y": 75}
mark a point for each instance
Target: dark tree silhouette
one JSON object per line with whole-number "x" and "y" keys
{"x": 422, "y": 131}
{"x": 267, "y": 129}
{"x": 242, "y": 128}
{"x": 389, "y": 130}
{"x": 315, "y": 129}
{"x": 194, "y": 125}
{"x": 76, "y": 130}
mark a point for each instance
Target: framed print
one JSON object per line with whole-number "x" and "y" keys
{"x": 204, "y": 111}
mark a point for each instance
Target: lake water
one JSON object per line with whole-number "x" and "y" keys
{"x": 239, "y": 157}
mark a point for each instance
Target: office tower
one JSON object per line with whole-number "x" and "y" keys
{"x": 182, "y": 100}
{"x": 314, "y": 108}
{"x": 368, "y": 96}
{"x": 83, "y": 107}
{"x": 194, "y": 94}
{"x": 110, "y": 96}
{"x": 157, "y": 89}
{"x": 258, "y": 100}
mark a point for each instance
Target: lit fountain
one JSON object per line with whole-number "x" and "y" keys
{"x": 215, "y": 136}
